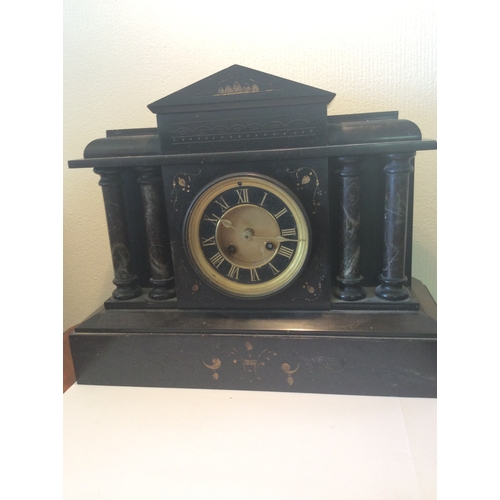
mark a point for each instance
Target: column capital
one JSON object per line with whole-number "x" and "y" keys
{"x": 399, "y": 163}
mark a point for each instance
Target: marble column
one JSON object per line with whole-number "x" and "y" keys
{"x": 397, "y": 185}
{"x": 125, "y": 280}
{"x": 349, "y": 279}
{"x": 160, "y": 259}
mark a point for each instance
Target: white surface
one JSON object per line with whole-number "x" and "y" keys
{"x": 151, "y": 443}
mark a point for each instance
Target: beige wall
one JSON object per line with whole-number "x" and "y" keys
{"x": 121, "y": 55}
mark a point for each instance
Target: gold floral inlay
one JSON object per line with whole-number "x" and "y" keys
{"x": 304, "y": 177}
{"x": 252, "y": 363}
{"x": 285, "y": 367}
{"x": 181, "y": 183}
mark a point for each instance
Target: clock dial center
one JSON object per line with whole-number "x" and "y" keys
{"x": 245, "y": 235}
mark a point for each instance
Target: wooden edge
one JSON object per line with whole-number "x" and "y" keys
{"x": 69, "y": 377}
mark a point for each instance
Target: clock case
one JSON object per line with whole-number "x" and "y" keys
{"x": 236, "y": 121}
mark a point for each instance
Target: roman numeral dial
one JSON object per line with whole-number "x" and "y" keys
{"x": 247, "y": 236}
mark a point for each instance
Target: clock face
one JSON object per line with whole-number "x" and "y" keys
{"x": 247, "y": 235}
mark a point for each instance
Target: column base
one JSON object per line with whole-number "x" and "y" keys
{"x": 392, "y": 289}
{"x": 162, "y": 289}
{"x": 349, "y": 289}
{"x": 126, "y": 289}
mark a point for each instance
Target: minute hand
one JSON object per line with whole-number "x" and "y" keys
{"x": 229, "y": 224}
{"x": 275, "y": 238}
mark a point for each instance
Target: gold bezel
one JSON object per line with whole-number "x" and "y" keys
{"x": 207, "y": 271}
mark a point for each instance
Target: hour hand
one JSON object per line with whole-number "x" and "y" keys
{"x": 226, "y": 223}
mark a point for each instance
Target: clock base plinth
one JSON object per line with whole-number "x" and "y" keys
{"x": 379, "y": 353}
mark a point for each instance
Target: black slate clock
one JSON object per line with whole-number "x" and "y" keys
{"x": 258, "y": 243}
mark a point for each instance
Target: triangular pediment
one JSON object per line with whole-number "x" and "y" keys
{"x": 240, "y": 87}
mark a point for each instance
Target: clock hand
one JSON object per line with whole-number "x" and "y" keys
{"x": 229, "y": 224}
{"x": 275, "y": 238}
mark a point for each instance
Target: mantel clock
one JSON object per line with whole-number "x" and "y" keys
{"x": 259, "y": 243}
